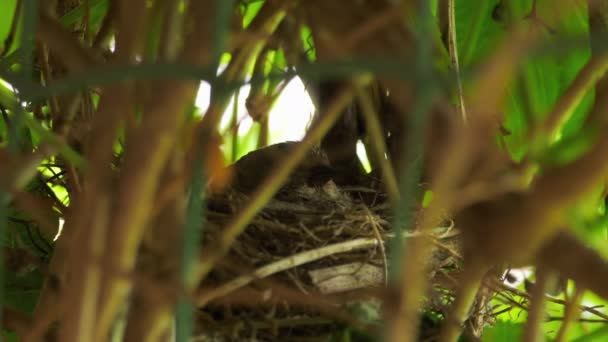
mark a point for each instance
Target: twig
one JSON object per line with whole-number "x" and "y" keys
{"x": 284, "y": 264}
{"x": 172, "y": 23}
{"x": 453, "y": 50}
{"x": 62, "y": 44}
{"x": 471, "y": 279}
{"x": 501, "y": 288}
{"x": 80, "y": 251}
{"x": 536, "y": 310}
{"x": 571, "y": 314}
{"x": 378, "y": 144}
{"x": 48, "y": 79}
{"x": 374, "y": 25}
{"x": 376, "y": 228}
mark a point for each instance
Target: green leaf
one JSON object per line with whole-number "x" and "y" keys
{"x": 569, "y": 149}
{"x": 248, "y": 141}
{"x": 309, "y": 44}
{"x": 98, "y": 9}
{"x": 250, "y": 9}
{"x": 543, "y": 79}
{"x": 476, "y": 33}
{"x": 427, "y": 198}
{"x": 223, "y": 13}
{"x": 503, "y": 331}
{"x": 7, "y": 96}
{"x": 7, "y": 10}
{"x": 598, "y": 335}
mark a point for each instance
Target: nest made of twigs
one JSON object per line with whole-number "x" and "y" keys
{"x": 307, "y": 259}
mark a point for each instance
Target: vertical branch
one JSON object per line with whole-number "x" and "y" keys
{"x": 378, "y": 143}
{"x": 453, "y": 50}
{"x": 194, "y": 215}
{"x": 170, "y": 39}
{"x": 408, "y": 272}
{"x": 536, "y": 311}
{"x": 151, "y": 308}
{"x": 190, "y": 243}
{"x": 77, "y": 253}
{"x": 468, "y": 287}
{"x": 87, "y": 21}
{"x": 147, "y": 150}
{"x": 29, "y": 23}
{"x": 234, "y": 126}
{"x": 4, "y": 212}
{"x": 571, "y": 314}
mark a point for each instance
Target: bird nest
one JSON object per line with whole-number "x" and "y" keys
{"x": 313, "y": 263}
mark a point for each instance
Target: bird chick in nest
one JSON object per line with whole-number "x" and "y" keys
{"x": 252, "y": 169}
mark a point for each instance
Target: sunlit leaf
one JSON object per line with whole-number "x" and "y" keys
{"x": 503, "y": 331}
{"x": 7, "y": 9}
{"x": 250, "y": 9}
{"x": 308, "y": 42}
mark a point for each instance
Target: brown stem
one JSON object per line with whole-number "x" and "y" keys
{"x": 571, "y": 314}
{"x": 62, "y": 44}
{"x": 536, "y": 310}
{"x": 148, "y": 149}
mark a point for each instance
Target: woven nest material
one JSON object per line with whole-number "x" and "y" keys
{"x": 309, "y": 262}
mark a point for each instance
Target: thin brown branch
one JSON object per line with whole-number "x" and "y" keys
{"x": 571, "y": 314}
{"x": 503, "y": 289}
{"x": 170, "y": 39}
{"x": 453, "y": 51}
{"x": 148, "y": 149}
{"x": 327, "y": 305}
{"x": 151, "y": 312}
{"x": 47, "y": 77}
{"x": 64, "y": 46}
{"x": 367, "y": 29}
{"x": 470, "y": 282}
{"x": 536, "y": 311}
{"x": 378, "y": 144}
{"x": 74, "y": 262}
{"x": 284, "y": 264}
